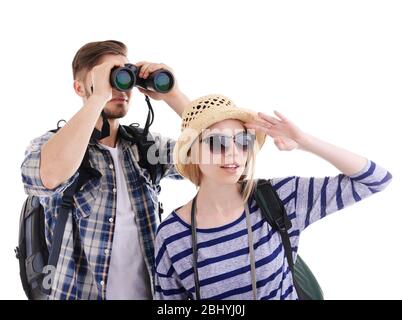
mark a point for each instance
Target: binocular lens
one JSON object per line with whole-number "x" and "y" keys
{"x": 124, "y": 80}
{"x": 163, "y": 82}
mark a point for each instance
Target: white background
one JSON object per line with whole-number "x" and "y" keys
{"x": 333, "y": 67}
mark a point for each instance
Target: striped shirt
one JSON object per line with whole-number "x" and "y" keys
{"x": 83, "y": 265}
{"x": 223, "y": 257}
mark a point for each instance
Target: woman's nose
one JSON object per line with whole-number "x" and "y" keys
{"x": 232, "y": 149}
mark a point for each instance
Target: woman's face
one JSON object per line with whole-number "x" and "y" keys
{"x": 224, "y": 151}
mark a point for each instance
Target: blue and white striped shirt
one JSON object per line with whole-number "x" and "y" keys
{"x": 223, "y": 258}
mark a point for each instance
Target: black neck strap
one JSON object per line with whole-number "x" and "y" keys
{"x": 150, "y": 117}
{"x": 195, "y": 249}
{"x": 105, "y": 131}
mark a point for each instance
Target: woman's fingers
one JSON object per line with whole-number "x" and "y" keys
{"x": 279, "y": 143}
{"x": 269, "y": 131}
{"x": 262, "y": 123}
{"x": 280, "y": 115}
{"x": 268, "y": 118}
{"x": 257, "y": 127}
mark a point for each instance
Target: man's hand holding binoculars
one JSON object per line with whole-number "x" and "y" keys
{"x": 155, "y": 80}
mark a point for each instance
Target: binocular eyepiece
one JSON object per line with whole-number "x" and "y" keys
{"x": 127, "y": 77}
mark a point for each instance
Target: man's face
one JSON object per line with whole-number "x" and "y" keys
{"x": 118, "y": 106}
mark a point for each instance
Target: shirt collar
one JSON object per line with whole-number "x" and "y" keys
{"x": 124, "y": 138}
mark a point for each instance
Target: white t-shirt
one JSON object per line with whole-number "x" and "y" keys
{"x": 128, "y": 276}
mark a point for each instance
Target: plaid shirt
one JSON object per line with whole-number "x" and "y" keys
{"x": 82, "y": 268}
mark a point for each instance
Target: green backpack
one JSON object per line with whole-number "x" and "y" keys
{"x": 271, "y": 206}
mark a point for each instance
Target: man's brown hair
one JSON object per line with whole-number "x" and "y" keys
{"x": 89, "y": 55}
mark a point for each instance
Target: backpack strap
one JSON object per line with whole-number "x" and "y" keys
{"x": 275, "y": 214}
{"x": 137, "y": 135}
{"x": 60, "y": 225}
{"x": 86, "y": 172}
{"x": 272, "y": 206}
{"x": 143, "y": 140}
{"x": 105, "y": 131}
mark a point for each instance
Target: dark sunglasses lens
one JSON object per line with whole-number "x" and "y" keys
{"x": 244, "y": 141}
{"x": 218, "y": 144}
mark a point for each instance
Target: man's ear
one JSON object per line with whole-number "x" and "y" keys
{"x": 79, "y": 88}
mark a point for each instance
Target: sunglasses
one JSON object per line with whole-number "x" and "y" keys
{"x": 219, "y": 143}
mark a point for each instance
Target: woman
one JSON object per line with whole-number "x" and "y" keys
{"x": 216, "y": 151}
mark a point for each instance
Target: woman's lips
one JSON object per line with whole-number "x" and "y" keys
{"x": 230, "y": 168}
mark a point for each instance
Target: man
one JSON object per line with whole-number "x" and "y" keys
{"x": 107, "y": 247}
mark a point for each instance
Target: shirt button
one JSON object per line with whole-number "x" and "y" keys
{"x": 107, "y": 251}
{"x": 102, "y": 283}
{"x": 111, "y": 220}
{"x": 110, "y": 166}
{"x": 114, "y": 190}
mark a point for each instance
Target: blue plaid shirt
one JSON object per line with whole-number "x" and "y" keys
{"x": 82, "y": 268}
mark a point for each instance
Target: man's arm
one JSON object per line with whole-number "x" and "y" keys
{"x": 61, "y": 156}
{"x": 178, "y": 101}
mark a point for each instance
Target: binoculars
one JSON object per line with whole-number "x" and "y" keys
{"x": 125, "y": 78}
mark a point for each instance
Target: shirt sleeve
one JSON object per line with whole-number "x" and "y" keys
{"x": 315, "y": 198}
{"x": 30, "y": 170}
{"x": 167, "y": 282}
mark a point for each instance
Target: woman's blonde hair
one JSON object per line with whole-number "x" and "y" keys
{"x": 192, "y": 172}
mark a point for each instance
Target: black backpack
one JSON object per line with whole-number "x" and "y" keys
{"x": 271, "y": 206}
{"x": 35, "y": 259}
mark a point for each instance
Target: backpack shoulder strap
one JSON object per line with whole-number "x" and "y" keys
{"x": 86, "y": 172}
{"x": 60, "y": 225}
{"x": 272, "y": 207}
{"x": 275, "y": 214}
{"x": 137, "y": 135}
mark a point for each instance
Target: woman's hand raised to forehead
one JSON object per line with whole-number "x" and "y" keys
{"x": 285, "y": 134}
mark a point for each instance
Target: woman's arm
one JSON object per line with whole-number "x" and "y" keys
{"x": 346, "y": 161}
{"x": 287, "y": 137}
{"x": 308, "y": 199}
{"x": 166, "y": 281}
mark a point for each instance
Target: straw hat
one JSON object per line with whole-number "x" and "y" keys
{"x": 203, "y": 113}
